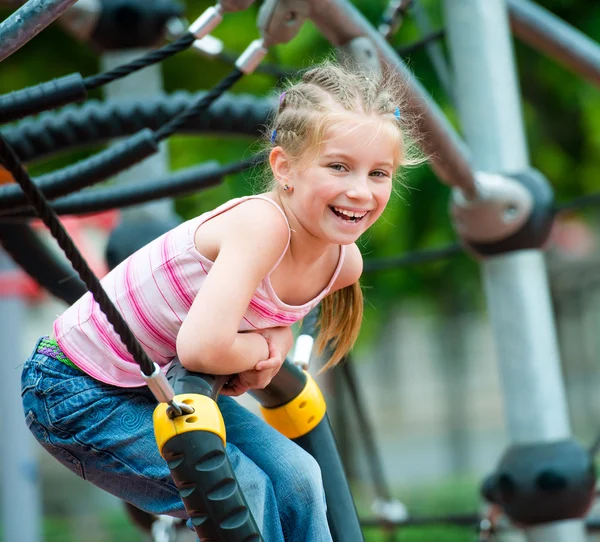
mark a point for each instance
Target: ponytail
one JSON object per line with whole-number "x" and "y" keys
{"x": 339, "y": 323}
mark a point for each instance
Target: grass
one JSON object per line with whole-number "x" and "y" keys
{"x": 454, "y": 496}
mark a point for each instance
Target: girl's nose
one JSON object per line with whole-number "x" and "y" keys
{"x": 359, "y": 189}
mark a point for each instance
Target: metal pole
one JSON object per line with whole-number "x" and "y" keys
{"x": 145, "y": 83}
{"x": 27, "y": 22}
{"x": 341, "y": 22}
{"x": 515, "y": 283}
{"x": 20, "y": 498}
{"x": 550, "y": 35}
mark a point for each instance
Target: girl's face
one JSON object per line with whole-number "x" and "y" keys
{"x": 339, "y": 193}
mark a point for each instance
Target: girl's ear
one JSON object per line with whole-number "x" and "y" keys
{"x": 280, "y": 166}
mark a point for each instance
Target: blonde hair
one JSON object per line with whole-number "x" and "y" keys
{"x": 307, "y": 109}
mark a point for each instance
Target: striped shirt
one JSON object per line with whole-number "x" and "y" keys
{"x": 154, "y": 289}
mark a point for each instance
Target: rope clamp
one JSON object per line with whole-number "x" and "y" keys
{"x": 280, "y": 20}
{"x": 249, "y": 60}
{"x": 207, "y": 22}
{"x": 164, "y": 392}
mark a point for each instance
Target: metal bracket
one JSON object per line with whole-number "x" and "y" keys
{"x": 361, "y": 53}
{"x": 235, "y": 5}
{"x": 280, "y": 20}
{"x": 207, "y": 22}
{"x": 512, "y": 212}
{"x": 502, "y": 207}
{"x": 163, "y": 391}
{"x": 82, "y": 18}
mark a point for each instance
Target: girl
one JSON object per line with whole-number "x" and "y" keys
{"x": 221, "y": 291}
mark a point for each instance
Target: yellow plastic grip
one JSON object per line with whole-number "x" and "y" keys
{"x": 206, "y": 417}
{"x": 301, "y": 415}
{"x": 5, "y": 176}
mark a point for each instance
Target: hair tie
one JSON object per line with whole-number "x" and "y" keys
{"x": 397, "y": 113}
{"x": 273, "y": 136}
{"x": 281, "y": 97}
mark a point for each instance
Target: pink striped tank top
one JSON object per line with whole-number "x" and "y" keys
{"x": 154, "y": 289}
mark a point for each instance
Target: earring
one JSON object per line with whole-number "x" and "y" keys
{"x": 286, "y": 187}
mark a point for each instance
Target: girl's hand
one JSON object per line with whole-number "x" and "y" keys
{"x": 247, "y": 380}
{"x": 280, "y": 340}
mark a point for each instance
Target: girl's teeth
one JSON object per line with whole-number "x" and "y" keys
{"x": 351, "y": 214}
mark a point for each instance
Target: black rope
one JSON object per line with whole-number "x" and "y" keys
{"x": 12, "y": 163}
{"x": 459, "y": 520}
{"x": 412, "y": 258}
{"x": 368, "y": 436}
{"x": 393, "y": 17}
{"x": 195, "y": 109}
{"x": 96, "y": 122}
{"x": 61, "y": 183}
{"x": 579, "y": 203}
{"x": 405, "y": 50}
{"x": 595, "y": 447}
{"x": 153, "y": 57}
{"x": 103, "y": 199}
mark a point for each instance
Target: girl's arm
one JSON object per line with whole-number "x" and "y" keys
{"x": 351, "y": 270}
{"x": 253, "y": 237}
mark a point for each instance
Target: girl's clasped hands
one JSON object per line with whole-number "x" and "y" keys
{"x": 279, "y": 342}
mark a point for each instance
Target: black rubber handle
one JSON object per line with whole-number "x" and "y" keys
{"x": 184, "y": 381}
{"x": 202, "y": 472}
{"x": 95, "y": 169}
{"x": 32, "y": 100}
{"x": 206, "y": 482}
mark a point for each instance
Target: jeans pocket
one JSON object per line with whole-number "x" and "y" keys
{"x": 42, "y": 435}
{"x": 30, "y": 377}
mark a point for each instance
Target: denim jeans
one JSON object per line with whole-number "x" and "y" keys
{"x": 105, "y": 434}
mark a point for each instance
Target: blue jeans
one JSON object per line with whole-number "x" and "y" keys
{"x": 105, "y": 434}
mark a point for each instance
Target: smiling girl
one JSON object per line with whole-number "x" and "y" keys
{"x": 221, "y": 291}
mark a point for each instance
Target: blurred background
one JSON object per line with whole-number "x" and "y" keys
{"x": 425, "y": 360}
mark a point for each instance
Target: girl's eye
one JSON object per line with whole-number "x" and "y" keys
{"x": 379, "y": 174}
{"x": 337, "y": 167}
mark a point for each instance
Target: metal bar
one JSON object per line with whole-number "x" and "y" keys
{"x": 27, "y": 22}
{"x": 340, "y": 22}
{"x": 146, "y": 83}
{"x": 515, "y": 283}
{"x": 552, "y": 36}
{"x": 19, "y": 494}
{"x": 434, "y": 49}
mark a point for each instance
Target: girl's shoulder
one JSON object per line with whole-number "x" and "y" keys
{"x": 255, "y": 214}
{"x": 240, "y": 221}
{"x": 352, "y": 268}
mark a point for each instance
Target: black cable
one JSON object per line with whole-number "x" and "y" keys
{"x": 86, "y": 172}
{"x": 121, "y": 156}
{"x": 405, "y": 50}
{"x": 266, "y": 69}
{"x": 113, "y": 197}
{"x": 393, "y": 17}
{"x": 153, "y": 57}
{"x": 368, "y": 436}
{"x": 595, "y": 447}
{"x": 74, "y": 88}
{"x": 11, "y": 162}
{"x": 579, "y": 203}
{"x": 199, "y": 106}
{"x": 41, "y": 263}
{"x": 460, "y": 520}
{"x": 412, "y": 258}
{"x": 96, "y": 122}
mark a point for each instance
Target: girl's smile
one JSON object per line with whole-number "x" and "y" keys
{"x": 343, "y": 190}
